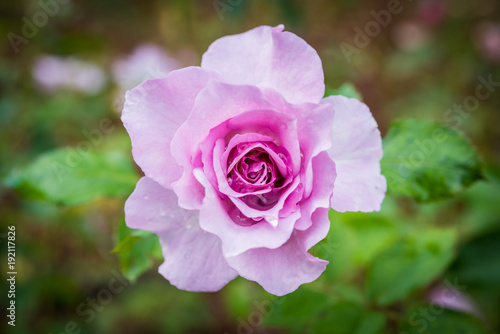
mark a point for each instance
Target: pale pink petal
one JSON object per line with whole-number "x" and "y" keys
{"x": 215, "y": 104}
{"x": 193, "y": 257}
{"x": 323, "y": 170}
{"x": 314, "y": 124}
{"x": 356, "y": 150}
{"x": 236, "y": 239}
{"x": 219, "y": 109}
{"x": 448, "y": 296}
{"x": 283, "y": 270}
{"x": 269, "y": 57}
{"x": 152, "y": 114}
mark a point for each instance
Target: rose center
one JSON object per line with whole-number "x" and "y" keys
{"x": 257, "y": 169}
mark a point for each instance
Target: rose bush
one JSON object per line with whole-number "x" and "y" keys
{"x": 243, "y": 158}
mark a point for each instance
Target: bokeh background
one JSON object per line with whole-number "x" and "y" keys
{"x": 62, "y": 79}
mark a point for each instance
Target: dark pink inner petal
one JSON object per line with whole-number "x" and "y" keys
{"x": 254, "y": 167}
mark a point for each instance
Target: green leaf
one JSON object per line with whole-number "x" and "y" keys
{"x": 345, "y": 89}
{"x": 477, "y": 270}
{"x": 138, "y": 251}
{"x": 241, "y": 296}
{"x": 372, "y": 231}
{"x": 428, "y": 161}
{"x": 338, "y": 248}
{"x": 70, "y": 176}
{"x": 289, "y": 312}
{"x": 481, "y": 209}
{"x": 324, "y": 314}
{"x": 410, "y": 264}
{"x": 347, "y": 318}
{"x": 434, "y": 320}
{"x": 356, "y": 238}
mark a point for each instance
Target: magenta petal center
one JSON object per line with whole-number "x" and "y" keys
{"x": 257, "y": 167}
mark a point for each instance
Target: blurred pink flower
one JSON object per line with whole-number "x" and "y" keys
{"x": 432, "y": 11}
{"x": 410, "y": 35}
{"x": 487, "y": 39}
{"x": 52, "y": 73}
{"x": 147, "y": 61}
{"x": 243, "y": 158}
{"x": 449, "y": 297}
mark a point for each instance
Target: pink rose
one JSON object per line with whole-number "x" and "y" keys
{"x": 243, "y": 158}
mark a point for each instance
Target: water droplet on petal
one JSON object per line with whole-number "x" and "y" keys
{"x": 273, "y": 221}
{"x": 282, "y": 157}
{"x": 146, "y": 198}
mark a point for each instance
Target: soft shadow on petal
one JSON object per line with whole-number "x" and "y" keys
{"x": 356, "y": 150}
{"x": 282, "y": 270}
{"x": 152, "y": 114}
{"x": 269, "y": 57}
{"x": 193, "y": 257}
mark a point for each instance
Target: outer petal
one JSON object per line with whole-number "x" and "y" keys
{"x": 314, "y": 124}
{"x": 323, "y": 184}
{"x": 283, "y": 270}
{"x": 236, "y": 239}
{"x": 270, "y": 57}
{"x": 152, "y": 114}
{"x": 193, "y": 257}
{"x": 356, "y": 150}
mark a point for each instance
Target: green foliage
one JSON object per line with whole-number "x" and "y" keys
{"x": 289, "y": 311}
{"x": 428, "y": 161}
{"x": 435, "y": 320}
{"x": 71, "y": 177}
{"x": 355, "y": 239}
{"x": 477, "y": 269}
{"x": 346, "y": 89}
{"x": 138, "y": 251}
{"x": 481, "y": 202}
{"x": 348, "y": 318}
{"x": 307, "y": 311}
{"x": 410, "y": 264}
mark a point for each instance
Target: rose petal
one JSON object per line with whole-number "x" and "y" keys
{"x": 272, "y": 214}
{"x": 236, "y": 239}
{"x": 314, "y": 124}
{"x": 324, "y": 175}
{"x": 269, "y": 57}
{"x": 193, "y": 257}
{"x": 356, "y": 151}
{"x": 283, "y": 270}
{"x": 219, "y": 109}
{"x": 220, "y": 157}
{"x": 152, "y": 114}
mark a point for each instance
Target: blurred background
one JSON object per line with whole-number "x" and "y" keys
{"x": 411, "y": 268}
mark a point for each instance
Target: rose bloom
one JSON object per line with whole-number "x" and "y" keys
{"x": 243, "y": 158}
